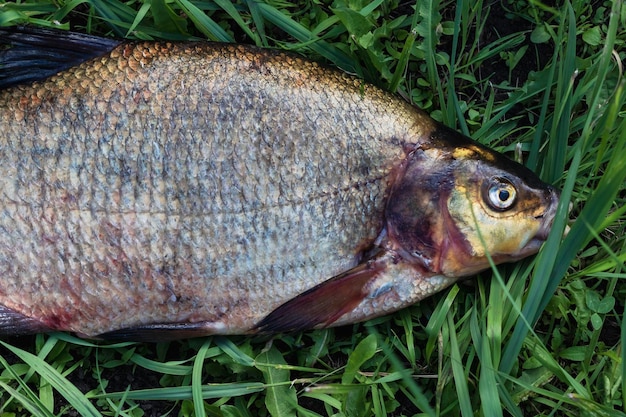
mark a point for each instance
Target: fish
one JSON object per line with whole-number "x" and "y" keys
{"x": 164, "y": 190}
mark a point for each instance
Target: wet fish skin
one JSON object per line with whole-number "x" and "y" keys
{"x": 110, "y": 190}
{"x": 199, "y": 187}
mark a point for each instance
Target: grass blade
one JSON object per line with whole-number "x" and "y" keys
{"x": 232, "y": 12}
{"x": 30, "y": 401}
{"x": 209, "y": 391}
{"x": 196, "y": 379}
{"x": 299, "y": 32}
{"x": 204, "y": 23}
{"x": 487, "y": 383}
{"x": 460, "y": 379}
{"x": 59, "y": 382}
{"x": 229, "y": 348}
{"x": 557, "y": 147}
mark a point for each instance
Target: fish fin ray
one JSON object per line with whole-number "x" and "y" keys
{"x": 31, "y": 54}
{"x": 160, "y": 332}
{"x": 13, "y": 323}
{"x": 324, "y": 303}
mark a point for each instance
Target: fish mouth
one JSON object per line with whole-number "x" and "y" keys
{"x": 548, "y": 215}
{"x": 547, "y": 220}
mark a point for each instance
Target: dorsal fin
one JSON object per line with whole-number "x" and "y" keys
{"x": 31, "y": 54}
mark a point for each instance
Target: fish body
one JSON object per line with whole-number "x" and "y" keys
{"x": 184, "y": 189}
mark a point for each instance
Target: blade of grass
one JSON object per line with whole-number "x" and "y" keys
{"x": 30, "y": 400}
{"x": 30, "y": 406}
{"x": 109, "y": 15}
{"x": 204, "y": 23}
{"x": 259, "y": 23}
{"x": 409, "y": 387}
{"x": 557, "y": 146}
{"x": 460, "y": 379}
{"x": 68, "y": 338}
{"x": 533, "y": 155}
{"x": 209, "y": 391}
{"x": 65, "y": 9}
{"x": 145, "y": 8}
{"x": 623, "y": 355}
{"x": 541, "y": 353}
{"x": 452, "y": 97}
{"x": 438, "y": 318}
{"x": 304, "y": 35}
{"x": 196, "y": 378}
{"x": 543, "y": 267}
{"x": 229, "y": 348}
{"x": 403, "y": 62}
{"x": 405, "y": 54}
{"x": 487, "y": 383}
{"x": 169, "y": 368}
{"x": 232, "y": 12}
{"x": 60, "y": 383}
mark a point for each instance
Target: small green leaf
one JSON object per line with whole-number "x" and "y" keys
{"x": 592, "y": 36}
{"x": 606, "y": 305}
{"x": 540, "y": 35}
{"x": 10, "y": 15}
{"x": 356, "y": 24}
{"x": 596, "y": 321}
{"x": 166, "y": 19}
{"x": 597, "y": 304}
{"x": 355, "y": 404}
{"x": 529, "y": 380}
{"x": 228, "y": 410}
{"x": 280, "y": 397}
{"x": 364, "y": 351}
{"x": 574, "y": 353}
{"x": 367, "y": 40}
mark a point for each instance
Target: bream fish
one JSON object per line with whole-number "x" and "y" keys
{"x": 164, "y": 190}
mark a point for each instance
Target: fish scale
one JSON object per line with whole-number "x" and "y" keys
{"x": 120, "y": 174}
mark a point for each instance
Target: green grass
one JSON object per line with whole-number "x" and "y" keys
{"x": 541, "y": 337}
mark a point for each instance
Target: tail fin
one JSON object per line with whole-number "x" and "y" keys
{"x": 30, "y": 54}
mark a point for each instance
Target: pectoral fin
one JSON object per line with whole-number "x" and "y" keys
{"x": 325, "y": 303}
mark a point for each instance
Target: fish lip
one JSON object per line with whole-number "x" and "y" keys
{"x": 547, "y": 217}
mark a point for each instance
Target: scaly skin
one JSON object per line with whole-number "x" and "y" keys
{"x": 171, "y": 183}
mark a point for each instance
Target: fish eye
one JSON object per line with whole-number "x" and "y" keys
{"x": 500, "y": 194}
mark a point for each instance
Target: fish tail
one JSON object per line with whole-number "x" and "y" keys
{"x": 30, "y": 54}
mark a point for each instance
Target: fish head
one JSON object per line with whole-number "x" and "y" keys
{"x": 454, "y": 204}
